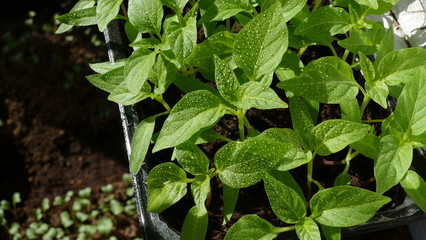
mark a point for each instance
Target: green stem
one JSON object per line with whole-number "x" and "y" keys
{"x": 228, "y": 24}
{"x": 317, "y": 3}
{"x": 241, "y": 116}
{"x": 345, "y": 55}
{"x": 284, "y": 229}
{"x": 364, "y": 103}
{"x": 159, "y": 98}
{"x": 309, "y": 175}
{"x": 373, "y": 121}
{"x": 333, "y": 50}
{"x": 123, "y": 9}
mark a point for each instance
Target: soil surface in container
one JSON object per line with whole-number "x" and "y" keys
{"x": 59, "y": 132}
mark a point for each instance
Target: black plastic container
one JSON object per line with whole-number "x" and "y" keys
{"x": 155, "y": 228}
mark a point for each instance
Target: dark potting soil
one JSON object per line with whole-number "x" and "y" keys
{"x": 60, "y": 133}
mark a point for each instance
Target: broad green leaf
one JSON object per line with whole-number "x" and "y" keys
{"x": 383, "y": 7}
{"x": 295, "y": 156}
{"x": 326, "y": 80}
{"x": 345, "y": 206}
{"x": 303, "y": 121}
{"x": 367, "y": 146}
{"x": 131, "y": 32}
{"x": 137, "y": 68}
{"x": 379, "y": 92}
{"x": 367, "y": 67}
{"x": 251, "y": 227}
{"x": 393, "y": 161}
{"x": 242, "y": 164}
{"x": 366, "y": 41}
{"x": 191, "y": 158}
{"x": 350, "y": 110}
{"x": 166, "y": 185}
{"x": 261, "y": 44}
{"x": 386, "y": 46}
{"x": 402, "y": 66}
{"x": 285, "y": 201}
{"x": 415, "y": 187}
{"x": 176, "y": 5}
{"x": 195, "y": 111}
{"x": 200, "y": 189}
{"x": 146, "y": 15}
{"x": 369, "y": 3}
{"x": 258, "y": 95}
{"x": 325, "y": 21}
{"x": 290, "y": 66}
{"x": 162, "y": 74}
{"x": 331, "y": 233}
{"x": 220, "y": 10}
{"x": 105, "y": 67}
{"x": 410, "y": 113}
{"x": 83, "y": 17}
{"x": 122, "y": 95}
{"x": 230, "y": 197}
{"x": 183, "y": 39}
{"x": 289, "y": 10}
{"x": 195, "y": 224}
{"x": 189, "y": 84}
{"x": 108, "y": 81}
{"x": 334, "y": 135}
{"x": 220, "y": 44}
{"x": 106, "y": 10}
{"x": 226, "y": 80}
{"x": 140, "y": 143}
{"x": 146, "y": 43}
{"x": 82, "y": 4}
{"x": 307, "y": 229}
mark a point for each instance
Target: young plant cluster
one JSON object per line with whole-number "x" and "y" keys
{"x": 248, "y": 49}
{"x": 79, "y": 217}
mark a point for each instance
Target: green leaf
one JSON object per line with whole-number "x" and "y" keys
{"x": 82, "y": 4}
{"x": 258, "y": 95}
{"x": 402, "y": 66}
{"x": 366, "y": 42}
{"x": 331, "y": 233}
{"x": 369, "y": 3}
{"x": 334, "y": 135}
{"x": 226, "y": 80}
{"x": 83, "y": 17}
{"x": 393, "y": 161}
{"x": 105, "y": 225}
{"x": 384, "y": 6}
{"x": 122, "y": 95}
{"x": 195, "y": 224}
{"x": 242, "y": 164}
{"x": 379, "y": 92}
{"x": 308, "y": 230}
{"x": 45, "y": 204}
{"x": 220, "y": 10}
{"x": 386, "y": 46}
{"x": 326, "y": 80}
{"x": 105, "y": 67}
{"x": 302, "y": 119}
{"x": 290, "y": 66}
{"x": 140, "y": 143}
{"x": 137, "y": 68}
{"x": 146, "y": 15}
{"x": 176, "y": 5}
{"x": 166, "y": 186}
{"x": 286, "y": 202}
{"x": 326, "y": 21}
{"x": 415, "y": 187}
{"x": 109, "y": 80}
{"x": 16, "y": 198}
{"x": 230, "y": 197}
{"x": 220, "y": 44}
{"x": 350, "y": 110}
{"x": 191, "y": 158}
{"x": 66, "y": 219}
{"x": 200, "y": 189}
{"x": 345, "y": 206}
{"x": 106, "y": 10}
{"x": 261, "y": 44}
{"x": 410, "y": 113}
{"x": 195, "y": 111}
{"x": 367, "y": 146}
{"x": 289, "y": 10}
{"x": 162, "y": 74}
{"x": 251, "y": 227}
{"x": 147, "y": 43}
{"x": 183, "y": 39}
{"x": 116, "y": 207}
